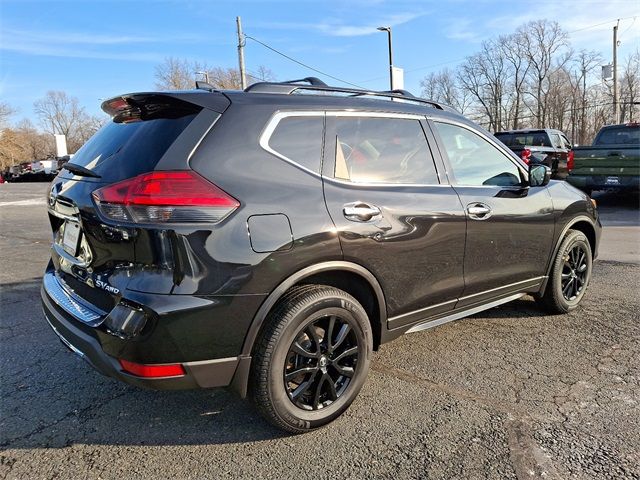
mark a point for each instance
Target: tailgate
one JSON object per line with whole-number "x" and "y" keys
{"x": 622, "y": 161}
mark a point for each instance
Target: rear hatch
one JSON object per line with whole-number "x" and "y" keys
{"x": 95, "y": 250}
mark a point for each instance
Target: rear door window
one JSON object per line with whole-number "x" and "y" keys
{"x": 383, "y": 150}
{"x": 299, "y": 139}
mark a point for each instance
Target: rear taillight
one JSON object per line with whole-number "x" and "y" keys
{"x": 570, "y": 162}
{"x": 165, "y": 197}
{"x": 526, "y": 156}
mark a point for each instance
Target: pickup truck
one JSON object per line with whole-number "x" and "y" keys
{"x": 611, "y": 163}
{"x": 547, "y": 146}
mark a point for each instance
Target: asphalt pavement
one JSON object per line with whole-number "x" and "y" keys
{"x": 507, "y": 393}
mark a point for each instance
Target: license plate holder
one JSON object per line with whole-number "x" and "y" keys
{"x": 612, "y": 181}
{"x": 71, "y": 237}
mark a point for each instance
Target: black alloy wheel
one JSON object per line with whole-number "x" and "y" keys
{"x": 574, "y": 272}
{"x": 321, "y": 362}
{"x": 312, "y": 358}
{"x": 570, "y": 274}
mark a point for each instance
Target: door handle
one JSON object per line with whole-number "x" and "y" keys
{"x": 360, "y": 212}
{"x": 479, "y": 211}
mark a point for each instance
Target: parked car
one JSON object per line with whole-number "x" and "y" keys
{"x": 271, "y": 239}
{"x": 611, "y": 163}
{"x": 546, "y": 146}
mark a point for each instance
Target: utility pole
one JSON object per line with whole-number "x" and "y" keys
{"x": 583, "y": 120}
{"x": 241, "y": 43}
{"x": 616, "y": 107}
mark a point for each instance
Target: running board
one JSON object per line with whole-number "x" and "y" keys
{"x": 465, "y": 313}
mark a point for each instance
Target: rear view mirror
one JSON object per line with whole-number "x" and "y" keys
{"x": 539, "y": 175}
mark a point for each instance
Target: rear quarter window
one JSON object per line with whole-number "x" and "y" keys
{"x": 299, "y": 139}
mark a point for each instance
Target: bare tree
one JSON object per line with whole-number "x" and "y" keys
{"x": 542, "y": 39}
{"x": 180, "y": 74}
{"x": 484, "y": 75}
{"x": 62, "y": 114}
{"x": 6, "y": 111}
{"x": 630, "y": 88}
{"x": 443, "y": 86}
{"x": 177, "y": 74}
{"x": 37, "y": 145}
{"x": 512, "y": 48}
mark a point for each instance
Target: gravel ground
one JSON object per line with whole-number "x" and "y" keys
{"x": 508, "y": 393}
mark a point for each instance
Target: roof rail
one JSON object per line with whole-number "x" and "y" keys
{"x": 287, "y": 88}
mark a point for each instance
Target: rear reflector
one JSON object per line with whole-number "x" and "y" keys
{"x": 152, "y": 371}
{"x": 161, "y": 197}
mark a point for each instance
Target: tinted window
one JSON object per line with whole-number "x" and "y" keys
{"x": 300, "y": 139}
{"x": 123, "y": 150}
{"x": 557, "y": 143}
{"x": 383, "y": 150}
{"x": 619, "y": 136}
{"x": 474, "y": 160}
{"x": 529, "y": 139}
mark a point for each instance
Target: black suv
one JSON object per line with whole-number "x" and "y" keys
{"x": 271, "y": 239}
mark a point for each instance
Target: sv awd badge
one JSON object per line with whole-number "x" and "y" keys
{"x": 105, "y": 286}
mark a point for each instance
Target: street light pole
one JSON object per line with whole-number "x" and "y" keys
{"x": 388, "y": 30}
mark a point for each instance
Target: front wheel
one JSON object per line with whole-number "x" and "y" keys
{"x": 312, "y": 358}
{"x": 570, "y": 274}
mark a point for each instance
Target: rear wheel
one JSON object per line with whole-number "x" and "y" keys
{"x": 570, "y": 274}
{"x": 312, "y": 358}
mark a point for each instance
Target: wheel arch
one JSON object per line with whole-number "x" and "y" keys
{"x": 348, "y": 276}
{"x": 581, "y": 223}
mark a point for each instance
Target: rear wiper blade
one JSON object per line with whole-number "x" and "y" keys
{"x": 80, "y": 170}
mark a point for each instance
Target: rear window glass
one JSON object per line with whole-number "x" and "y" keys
{"x": 300, "y": 140}
{"x": 530, "y": 139}
{"x": 122, "y": 150}
{"x": 619, "y": 136}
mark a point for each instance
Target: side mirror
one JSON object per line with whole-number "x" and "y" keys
{"x": 539, "y": 175}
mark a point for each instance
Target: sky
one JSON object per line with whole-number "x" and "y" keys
{"x": 96, "y": 49}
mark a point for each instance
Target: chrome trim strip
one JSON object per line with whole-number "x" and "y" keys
{"x": 266, "y": 134}
{"x": 62, "y": 339}
{"x": 425, "y": 309}
{"x": 484, "y": 292}
{"x": 195, "y": 147}
{"x": 64, "y": 297}
{"x": 68, "y": 257}
{"x": 464, "y": 313}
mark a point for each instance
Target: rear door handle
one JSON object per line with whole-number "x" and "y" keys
{"x": 479, "y": 211}
{"x": 360, "y": 212}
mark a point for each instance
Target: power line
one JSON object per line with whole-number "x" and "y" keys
{"x": 301, "y": 63}
{"x": 600, "y": 24}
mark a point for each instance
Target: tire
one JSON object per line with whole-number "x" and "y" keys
{"x": 303, "y": 386}
{"x": 570, "y": 274}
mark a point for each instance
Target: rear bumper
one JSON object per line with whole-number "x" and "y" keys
{"x": 83, "y": 341}
{"x": 605, "y": 182}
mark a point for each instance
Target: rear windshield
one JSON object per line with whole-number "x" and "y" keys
{"x": 619, "y": 136}
{"x": 529, "y": 139}
{"x": 122, "y": 150}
